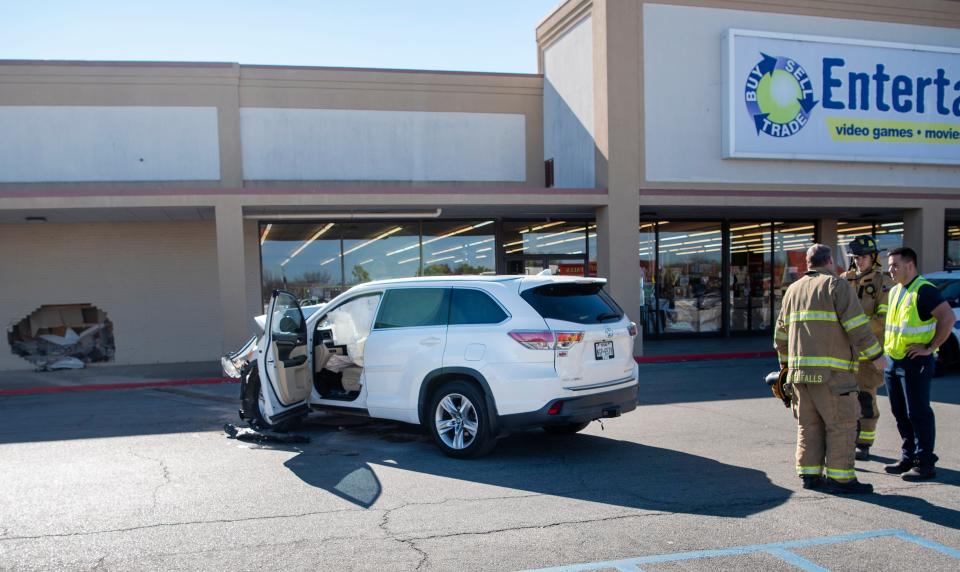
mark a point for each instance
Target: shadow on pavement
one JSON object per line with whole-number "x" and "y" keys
{"x": 585, "y": 467}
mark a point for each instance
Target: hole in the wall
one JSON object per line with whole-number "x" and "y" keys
{"x": 63, "y": 336}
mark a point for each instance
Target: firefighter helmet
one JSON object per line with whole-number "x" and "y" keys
{"x": 863, "y": 245}
{"x": 777, "y": 381}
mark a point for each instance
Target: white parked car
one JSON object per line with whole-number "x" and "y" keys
{"x": 472, "y": 358}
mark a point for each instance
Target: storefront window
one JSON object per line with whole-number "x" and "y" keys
{"x": 292, "y": 255}
{"x": 456, "y": 248}
{"x": 953, "y": 245}
{"x": 559, "y": 246}
{"x": 690, "y": 264}
{"x": 750, "y": 279}
{"x": 790, "y": 243}
{"x": 556, "y": 237}
{"x": 377, "y": 251}
{"x": 889, "y": 235}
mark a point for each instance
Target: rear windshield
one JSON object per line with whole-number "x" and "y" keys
{"x": 579, "y": 303}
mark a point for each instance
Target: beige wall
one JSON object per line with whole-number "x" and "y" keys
{"x": 157, "y": 282}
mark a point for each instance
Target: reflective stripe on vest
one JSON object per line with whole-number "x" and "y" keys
{"x": 904, "y": 326}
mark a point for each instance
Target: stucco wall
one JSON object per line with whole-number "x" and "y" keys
{"x": 374, "y": 145}
{"x": 90, "y": 143}
{"x": 157, "y": 282}
{"x": 568, "y": 107}
{"x": 683, "y": 111}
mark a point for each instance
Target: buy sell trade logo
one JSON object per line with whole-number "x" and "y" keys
{"x": 779, "y": 96}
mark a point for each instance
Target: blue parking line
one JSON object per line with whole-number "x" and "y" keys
{"x": 795, "y": 559}
{"x": 929, "y": 544}
{"x": 778, "y": 549}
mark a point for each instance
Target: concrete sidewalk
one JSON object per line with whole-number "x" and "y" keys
{"x": 707, "y": 348}
{"x": 107, "y": 377}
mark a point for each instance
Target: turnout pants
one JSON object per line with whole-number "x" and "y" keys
{"x": 868, "y": 380}
{"x": 826, "y": 431}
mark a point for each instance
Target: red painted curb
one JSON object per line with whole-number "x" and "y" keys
{"x": 704, "y": 357}
{"x": 111, "y": 386}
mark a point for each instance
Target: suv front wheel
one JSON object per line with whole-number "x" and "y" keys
{"x": 458, "y": 420}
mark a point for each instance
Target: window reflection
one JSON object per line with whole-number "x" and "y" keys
{"x": 375, "y": 251}
{"x": 690, "y": 264}
{"x": 556, "y": 237}
{"x": 291, "y": 257}
{"x": 459, "y": 248}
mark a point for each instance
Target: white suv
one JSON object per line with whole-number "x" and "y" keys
{"x": 472, "y": 358}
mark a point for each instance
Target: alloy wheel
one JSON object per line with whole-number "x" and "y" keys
{"x": 456, "y": 421}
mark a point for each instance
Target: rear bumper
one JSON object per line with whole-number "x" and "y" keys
{"x": 576, "y": 409}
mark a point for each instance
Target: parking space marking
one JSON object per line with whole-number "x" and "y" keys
{"x": 780, "y": 550}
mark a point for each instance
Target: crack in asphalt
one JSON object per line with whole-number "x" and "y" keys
{"x": 175, "y": 524}
{"x": 409, "y": 543}
{"x": 99, "y": 562}
{"x": 165, "y": 475}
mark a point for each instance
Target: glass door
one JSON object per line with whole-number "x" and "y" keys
{"x": 750, "y": 282}
{"x": 690, "y": 266}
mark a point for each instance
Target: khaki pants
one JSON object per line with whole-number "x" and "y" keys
{"x": 868, "y": 380}
{"x": 826, "y": 431}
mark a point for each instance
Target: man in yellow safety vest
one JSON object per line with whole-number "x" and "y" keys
{"x": 918, "y": 321}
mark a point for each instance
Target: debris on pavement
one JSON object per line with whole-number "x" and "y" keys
{"x": 262, "y": 435}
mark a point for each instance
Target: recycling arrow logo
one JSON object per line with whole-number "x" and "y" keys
{"x": 779, "y": 96}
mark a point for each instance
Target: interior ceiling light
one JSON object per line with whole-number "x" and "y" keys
{"x": 541, "y": 227}
{"x": 310, "y": 240}
{"x": 266, "y": 231}
{"x": 442, "y": 236}
{"x": 374, "y": 239}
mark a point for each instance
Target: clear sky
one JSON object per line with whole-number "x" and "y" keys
{"x": 463, "y": 35}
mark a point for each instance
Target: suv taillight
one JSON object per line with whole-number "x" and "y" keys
{"x": 566, "y": 340}
{"x": 546, "y": 339}
{"x": 632, "y": 329}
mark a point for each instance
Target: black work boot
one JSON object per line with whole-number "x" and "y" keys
{"x": 919, "y": 473}
{"x": 853, "y": 487}
{"x": 812, "y": 481}
{"x": 863, "y": 452}
{"x": 900, "y": 467}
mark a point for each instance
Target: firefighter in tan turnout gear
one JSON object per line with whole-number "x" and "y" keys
{"x": 872, "y": 287}
{"x": 820, "y": 334}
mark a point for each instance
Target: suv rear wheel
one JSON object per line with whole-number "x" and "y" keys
{"x": 458, "y": 420}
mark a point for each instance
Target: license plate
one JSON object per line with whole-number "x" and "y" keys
{"x": 603, "y": 350}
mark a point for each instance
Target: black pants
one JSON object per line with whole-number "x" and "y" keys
{"x": 908, "y": 387}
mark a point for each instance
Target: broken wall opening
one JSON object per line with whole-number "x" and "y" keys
{"x": 63, "y": 336}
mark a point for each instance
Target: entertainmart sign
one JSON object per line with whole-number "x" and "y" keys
{"x": 828, "y": 99}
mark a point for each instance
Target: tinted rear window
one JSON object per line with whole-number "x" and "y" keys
{"x": 474, "y": 307}
{"x": 579, "y": 303}
{"x": 408, "y": 308}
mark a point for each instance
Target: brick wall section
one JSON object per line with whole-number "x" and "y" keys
{"x": 156, "y": 281}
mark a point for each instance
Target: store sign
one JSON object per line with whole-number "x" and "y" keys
{"x": 813, "y": 98}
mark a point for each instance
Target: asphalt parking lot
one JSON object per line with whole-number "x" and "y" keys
{"x": 699, "y": 478}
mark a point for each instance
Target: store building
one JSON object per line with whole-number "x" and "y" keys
{"x": 658, "y": 147}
